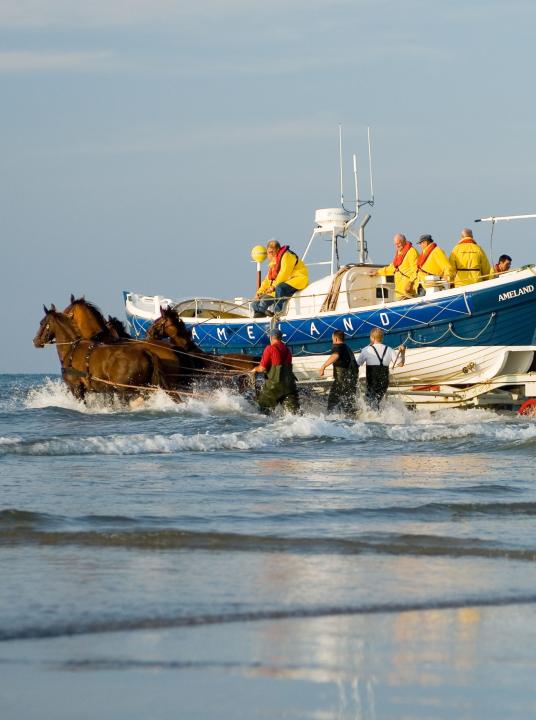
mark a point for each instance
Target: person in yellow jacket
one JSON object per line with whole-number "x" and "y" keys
{"x": 403, "y": 267}
{"x": 286, "y": 274}
{"x": 469, "y": 261}
{"x": 432, "y": 261}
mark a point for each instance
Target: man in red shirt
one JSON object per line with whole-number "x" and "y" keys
{"x": 280, "y": 387}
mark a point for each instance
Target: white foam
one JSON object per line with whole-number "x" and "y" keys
{"x": 7, "y": 441}
{"x": 54, "y": 393}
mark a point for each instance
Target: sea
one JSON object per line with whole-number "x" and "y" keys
{"x": 201, "y": 560}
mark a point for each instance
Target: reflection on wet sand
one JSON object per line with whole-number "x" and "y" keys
{"x": 361, "y": 656}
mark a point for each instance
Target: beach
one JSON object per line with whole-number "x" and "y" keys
{"x": 204, "y": 561}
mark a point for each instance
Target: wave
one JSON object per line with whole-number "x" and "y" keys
{"x": 23, "y": 528}
{"x": 170, "y": 621}
{"x": 278, "y": 431}
{"x": 54, "y": 393}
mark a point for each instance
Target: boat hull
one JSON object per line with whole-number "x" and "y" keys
{"x": 462, "y": 335}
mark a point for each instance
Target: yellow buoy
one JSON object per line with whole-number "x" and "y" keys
{"x": 258, "y": 254}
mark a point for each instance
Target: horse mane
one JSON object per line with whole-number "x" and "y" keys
{"x": 118, "y": 326}
{"x": 92, "y": 307}
{"x": 172, "y": 314}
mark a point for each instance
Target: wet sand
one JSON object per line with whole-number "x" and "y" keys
{"x": 472, "y": 662}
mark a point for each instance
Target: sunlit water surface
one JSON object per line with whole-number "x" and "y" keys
{"x": 204, "y": 516}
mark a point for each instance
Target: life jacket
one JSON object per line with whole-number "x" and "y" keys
{"x": 423, "y": 257}
{"x": 273, "y": 271}
{"x": 400, "y": 255}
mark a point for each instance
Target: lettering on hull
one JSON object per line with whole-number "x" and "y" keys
{"x": 516, "y": 293}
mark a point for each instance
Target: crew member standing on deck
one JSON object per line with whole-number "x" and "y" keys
{"x": 432, "y": 261}
{"x": 343, "y": 390}
{"x": 280, "y": 387}
{"x": 378, "y": 357}
{"x": 286, "y": 274}
{"x": 404, "y": 268}
{"x": 469, "y": 261}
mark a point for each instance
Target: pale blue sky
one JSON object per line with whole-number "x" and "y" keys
{"x": 149, "y": 144}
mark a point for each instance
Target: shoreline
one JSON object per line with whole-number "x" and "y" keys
{"x": 438, "y": 663}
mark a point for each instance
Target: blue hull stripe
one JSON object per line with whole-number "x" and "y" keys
{"x": 499, "y": 315}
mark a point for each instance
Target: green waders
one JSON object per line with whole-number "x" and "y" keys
{"x": 279, "y": 389}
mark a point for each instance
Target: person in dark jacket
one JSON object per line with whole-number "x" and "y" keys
{"x": 343, "y": 392}
{"x": 280, "y": 387}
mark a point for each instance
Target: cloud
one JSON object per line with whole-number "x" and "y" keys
{"x": 69, "y": 13}
{"x": 156, "y": 140}
{"x": 31, "y": 62}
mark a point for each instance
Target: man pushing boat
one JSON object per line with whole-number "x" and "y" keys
{"x": 280, "y": 387}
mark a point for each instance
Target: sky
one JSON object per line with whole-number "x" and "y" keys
{"x": 148, "y": 145}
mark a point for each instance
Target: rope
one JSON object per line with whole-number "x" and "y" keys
{"x": 149, "y": 387}
{"x": 459, "y": 337}
{"x": 232, "y": 371}
{"x": 451, "y": 331}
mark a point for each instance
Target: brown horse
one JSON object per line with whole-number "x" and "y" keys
{"x": 178, "y": 369}
{"x": 87, "y": 366}
{"x": 223, "y": 367}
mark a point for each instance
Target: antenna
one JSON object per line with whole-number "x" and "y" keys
{"x": 493, "y": 219}
{"x": 340, "y": 163}
{"x": 356, "y": 185}
{"x": 370, "y": 166}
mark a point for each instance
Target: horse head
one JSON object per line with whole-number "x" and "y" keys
{"x": 46, "y": 334}
{"x": 86, "y": 317}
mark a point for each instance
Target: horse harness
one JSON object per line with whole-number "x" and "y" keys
{"x": 68, "y": 369}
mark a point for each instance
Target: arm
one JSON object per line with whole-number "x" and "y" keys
{"x": 387, "y": 270}
{"x": 486, "y": 271}
{"x": 331, "y": 359}
{"x": 265, "y": 362}
{"x": 448, "y": 270}
{"x": 399, "y": 356}
{"x": 263, "y": 287}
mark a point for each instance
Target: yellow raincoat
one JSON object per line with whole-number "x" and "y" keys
{"x": 405, "y": 274}
{"x": 469, "y": 262}
{"x": 437, "y": 263}
{"x": 292, "y": 271}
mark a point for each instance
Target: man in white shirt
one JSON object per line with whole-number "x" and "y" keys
{"x": 378, "y": 357}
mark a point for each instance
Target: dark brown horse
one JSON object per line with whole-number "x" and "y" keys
{"x": 86, "y": 366}
{"x": 178, "y": 369}
{"x": 222, "y": 367}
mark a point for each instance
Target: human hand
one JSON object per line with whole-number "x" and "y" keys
{"x": 321, "y": 372}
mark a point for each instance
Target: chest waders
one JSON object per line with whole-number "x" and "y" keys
{"x": 377, "y": 380}
{"x": 343, "y": 391}
{"x": 279, "y": 388}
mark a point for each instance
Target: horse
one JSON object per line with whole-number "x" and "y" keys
{"x": 233, "y": 365}
{"x": 178, "y": 369}
{"x": 88, "y": 366}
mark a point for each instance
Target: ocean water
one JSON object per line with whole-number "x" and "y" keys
{"x": 202, "y": 560}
